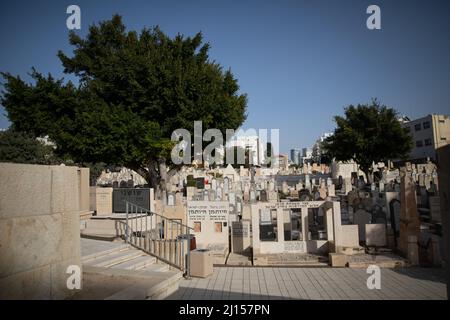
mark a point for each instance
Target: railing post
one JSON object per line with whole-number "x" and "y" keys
{"x": 188, "y": 264}
{"x": 126, "y": 226}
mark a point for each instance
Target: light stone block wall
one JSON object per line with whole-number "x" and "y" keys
{"x": 39, "y": 230}
{"x": 83, "y": 185}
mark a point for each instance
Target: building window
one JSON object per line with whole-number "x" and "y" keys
{"x": 426, "y": 124}
{"x": 419, "y": 143}
{"x": 417, "y": 127}
{"x": 197, "y": 226}
{"x": 218, "y": 227}
{"x": 428, "y": 142}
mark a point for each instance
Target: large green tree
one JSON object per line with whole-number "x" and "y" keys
{"x": 134, "y": 90}
{"x": 366, "y": 134}
{"x": 19, "y": 147}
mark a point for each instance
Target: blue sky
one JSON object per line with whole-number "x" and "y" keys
{"x": 300, "y": 62}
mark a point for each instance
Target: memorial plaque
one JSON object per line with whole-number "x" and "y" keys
{"x": 200, "y": 183}
{"x": 239, "y": 229}
{"x": 297, "y": 246}
{"x": 266, "y": 217}
{"x": 137, "y": 196}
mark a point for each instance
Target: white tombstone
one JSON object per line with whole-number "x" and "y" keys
{"x": 219, "y": 194}
{"x": 232, "y": 198}
{"x": 252, "y": 196}
{"x": 331, "y": 191}
{"x": 284, "y": 187}
{"x": 329, "y": 182}
{"x": 226, "y": 185}
{"x": 307, "y": 182}
{"x": 171, "y": 199}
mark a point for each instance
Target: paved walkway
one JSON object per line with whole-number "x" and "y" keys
{"x": 312, "y": 283}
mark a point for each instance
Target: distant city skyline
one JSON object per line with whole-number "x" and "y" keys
{"x": 300, "y": 62}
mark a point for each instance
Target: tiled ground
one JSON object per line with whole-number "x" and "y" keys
{"x": 313, "y": 283}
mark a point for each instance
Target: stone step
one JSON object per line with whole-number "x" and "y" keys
{"x": 167, "y": 283}
{"x": 101, "y": 236}
{"x": 118, "y": 284}
{"x": 137, "y": 263}
{"x": 159, "y": 267}
{"x": 90, "y": 230}
{"x": 105, "y": 252}
{"x": 114, "y": 258}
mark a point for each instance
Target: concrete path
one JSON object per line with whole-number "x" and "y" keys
{"x": 237, "y": 283}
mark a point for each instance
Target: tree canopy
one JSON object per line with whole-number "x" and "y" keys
{"x": 368, "y": 133}
{"x": 20, "y": 147}
{"x": 134, "y": 90}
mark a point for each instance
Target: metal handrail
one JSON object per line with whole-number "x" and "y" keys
{"x": 141, "y": 235}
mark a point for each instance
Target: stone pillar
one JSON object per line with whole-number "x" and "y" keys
{"x": 305, "y": 228}
{"x": 280, "y": 225}
{"x": 255, "y": 229}
{"x": 443, "y": 155}
{"x": 409, "y": 218}
{"x": 83, "y": 187}
{"x": 329, "y": 223}
{"x": 413, "y": 250}
{"x": 337, "y": 223}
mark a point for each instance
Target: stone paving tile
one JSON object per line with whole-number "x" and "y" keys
{"x": 246, "y": 283}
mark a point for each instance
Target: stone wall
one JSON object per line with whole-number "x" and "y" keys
{"x": 39, "y": 229}
{"x": 444, "y": 194}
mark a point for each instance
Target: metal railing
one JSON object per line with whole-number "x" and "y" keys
{"x": 166, "y": 239}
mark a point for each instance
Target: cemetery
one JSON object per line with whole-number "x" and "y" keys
{"x": 121, "y": 183}
{"x": 209, "y": 218}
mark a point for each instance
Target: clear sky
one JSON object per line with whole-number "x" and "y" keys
{"x": 300, "y": 62}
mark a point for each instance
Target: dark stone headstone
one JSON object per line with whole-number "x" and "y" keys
{"x": 354, "y": 178}
{"x": 200, "y": 183}
{"x": 304, "y": 195}
{"x": 137, "y": 196}
{"x": 263, "y": 196}
{"x": 123, "y": 184}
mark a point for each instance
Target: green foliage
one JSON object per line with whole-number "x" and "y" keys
{"x": 368, "y": 133}
{"x": 190, "y": 181}
{"x": 19, "y": 147}
{"x": 134, "y": 91}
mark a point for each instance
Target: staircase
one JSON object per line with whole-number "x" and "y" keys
{"x": 116, "y": 270}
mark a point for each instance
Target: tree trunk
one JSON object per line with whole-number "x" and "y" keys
{"x": 162, "y": 175}
{"x": 368, "y": 174}
{"x": 148, "y": 172}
